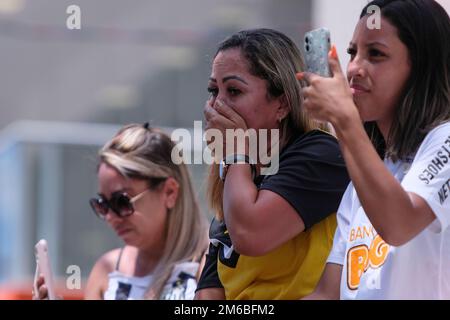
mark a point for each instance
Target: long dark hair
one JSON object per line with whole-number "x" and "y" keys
{"x": 424, "y": 27}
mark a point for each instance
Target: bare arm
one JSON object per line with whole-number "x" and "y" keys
{"x": 210, "y": 294}
{"x": 258, "y": 221}
{"x": 97, "y": 282}
{"x": 400, "y": 216}
{"x": 328, "y": 287}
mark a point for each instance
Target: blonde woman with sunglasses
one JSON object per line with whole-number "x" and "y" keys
{"x": 150, "y": 203}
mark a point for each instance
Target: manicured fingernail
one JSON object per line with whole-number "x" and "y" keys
{"x": 300, "y": 75}
{"x": 333, "y": 52}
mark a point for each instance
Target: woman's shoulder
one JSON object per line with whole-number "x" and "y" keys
{"x": 98, "y": 279}
{"x": 441, "y": 130}
{"x": 108, "y": 261}
{"x": 438, "y": 138}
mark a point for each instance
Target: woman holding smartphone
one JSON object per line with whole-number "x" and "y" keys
{"x": 150, "y": 203}
{"x": 393, "y": 236}
{"x": 272, "y": 233}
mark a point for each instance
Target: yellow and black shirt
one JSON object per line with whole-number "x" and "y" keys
{"x": 312, "y": 177}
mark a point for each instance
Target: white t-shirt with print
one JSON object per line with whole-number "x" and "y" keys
{"x": 420, "y": 269}
{"x": 181, "y": 284}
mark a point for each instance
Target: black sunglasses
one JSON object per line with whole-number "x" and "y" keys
{"x": 120, "y": 203}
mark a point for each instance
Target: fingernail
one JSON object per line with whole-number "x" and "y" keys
{"x": 333, "y": 52}
{"x": 300, "y": 75}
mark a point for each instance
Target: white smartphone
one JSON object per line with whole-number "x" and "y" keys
{"x": 43, "y": 267}
{"x": 317, "y": 44}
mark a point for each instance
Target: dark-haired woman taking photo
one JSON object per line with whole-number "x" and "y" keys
{"x": 393, "y": 236}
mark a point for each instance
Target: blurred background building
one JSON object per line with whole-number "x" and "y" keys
{"x": 63, "y": 93}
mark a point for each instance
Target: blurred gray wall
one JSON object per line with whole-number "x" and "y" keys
{"x": 132, "y": 61}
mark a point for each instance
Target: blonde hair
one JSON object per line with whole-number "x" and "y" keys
{"x": 271, "y": 56}
{"x": 145, "y": 153}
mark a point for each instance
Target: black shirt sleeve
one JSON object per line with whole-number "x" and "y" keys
{"x": 312, "y": 176}
{"x": 210, "y": 276}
